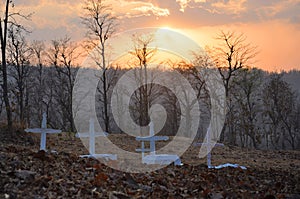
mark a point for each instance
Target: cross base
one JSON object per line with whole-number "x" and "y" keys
{"x": 162, "y": 159}
{"x": 107, "y": 157}
{"x": 227, "y": 165}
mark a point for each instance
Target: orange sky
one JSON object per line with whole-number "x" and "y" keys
{"x": 273, "y": 26}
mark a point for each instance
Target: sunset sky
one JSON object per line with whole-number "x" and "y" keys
{"x": 273, "y": 26}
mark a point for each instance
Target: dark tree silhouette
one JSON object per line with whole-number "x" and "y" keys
{"x": 101, "y": 25}
{"x": 231, "y": 55}
{"x": 9, "y": 18}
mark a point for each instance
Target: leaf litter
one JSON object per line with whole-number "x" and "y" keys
{"x": 26, "y": 172}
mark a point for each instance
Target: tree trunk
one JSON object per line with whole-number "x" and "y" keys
{"x": 105, "y": 101}
{"x": 3, "y": 37}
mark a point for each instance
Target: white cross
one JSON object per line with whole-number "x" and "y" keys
{"x": 151, "y": 138}
{"x": 92, "y": 135}
{"x": 154, "y": 158}
{"x": 209, "y": 146}
{"x": 43, "y": 131}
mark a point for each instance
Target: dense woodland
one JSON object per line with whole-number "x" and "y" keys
{"x": 263, "y": 108}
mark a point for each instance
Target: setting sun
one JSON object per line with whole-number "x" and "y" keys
{"x": 165, "y": 27}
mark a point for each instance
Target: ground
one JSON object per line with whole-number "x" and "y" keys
{"x": 26, "y": 172}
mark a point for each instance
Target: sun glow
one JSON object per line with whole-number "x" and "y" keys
{"x": 165, "y": 28}
{"x": 170, "y": 46}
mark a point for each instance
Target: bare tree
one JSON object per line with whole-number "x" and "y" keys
{"x": 279, "y": 102}
{"x": 68, "y": 57}
{"x": 141, "y": 55}
{"x": 63, "y": 56}
{"x": 1, "y": 100}
{"x": 296, "y": 126}
{"x": 38, "y": 50}
{"x": 247, "y": 106}
{"x": 8, "y": 18}
{"x": 290, "y": 120}
{"x": 3, "y": 38}
{"x": 19, "y": 54}
{"x": 101, "y": 25}
{"x": 232, "y": 55}
{"x": 192, "y": 74}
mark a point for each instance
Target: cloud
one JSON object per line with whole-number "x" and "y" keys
{"x": 230, "y": 6}
{"x": 184, "y": 3}
{"x": 52, "y": 13}
{"x": 59, "y": 13}
{"x": 150, "y": 8}
{"x": 214, "y": 6}
{"x": 132, "y": 9}
{"x": 64, "y": 15}
{"x": 288, "y": 10}
{"x": 51, "y": 19}
{"x": 217, "y": 12}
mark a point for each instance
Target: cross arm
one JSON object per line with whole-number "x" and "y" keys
{"x": 152, "y": 138}
{"x": 41, "y": 130}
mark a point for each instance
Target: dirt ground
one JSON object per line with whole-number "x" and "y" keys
{"x": 26, "y": 172}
